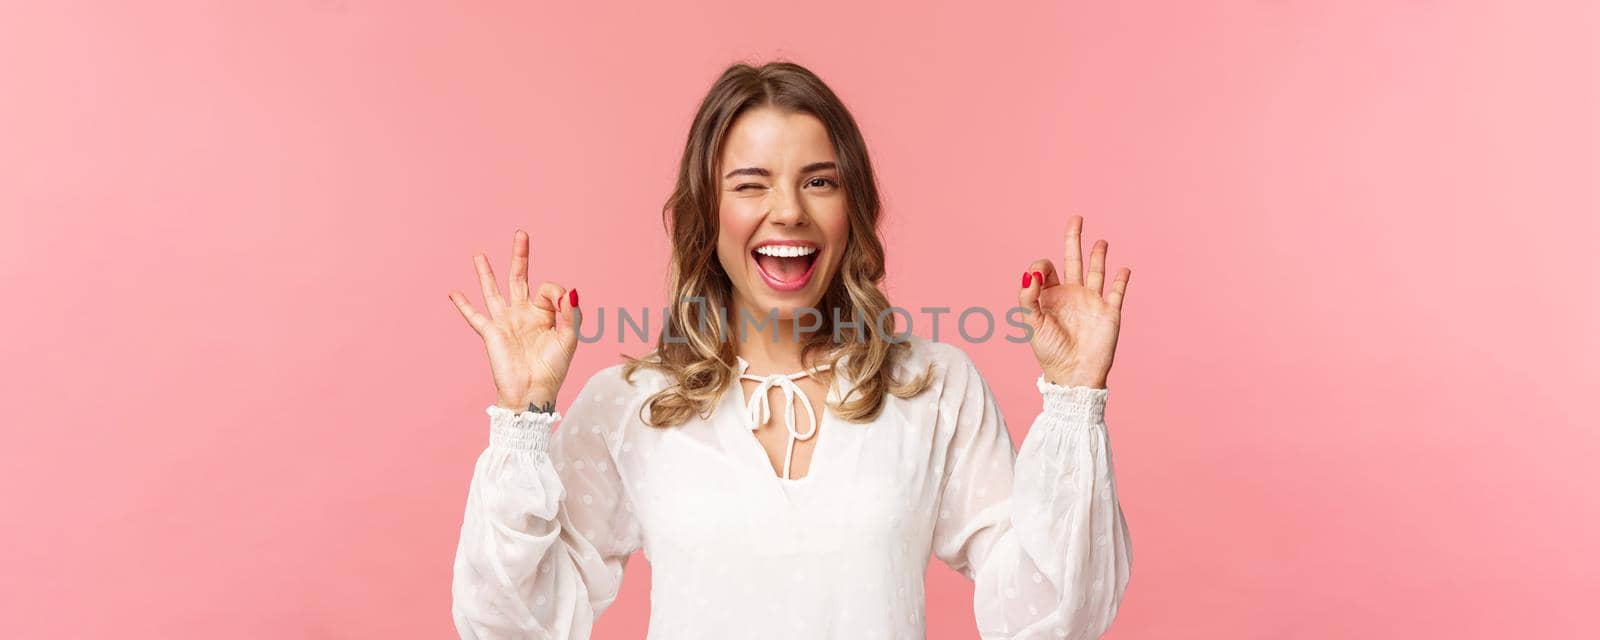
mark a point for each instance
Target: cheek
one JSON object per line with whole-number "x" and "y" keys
{"x": 835, "y": 225}
{"x": 734, "y": 227}
{"x": 838, "y": 231}
{"x": 730, "y": 252}
{"x": 738, "y": 216}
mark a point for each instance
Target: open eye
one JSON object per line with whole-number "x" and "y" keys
{"x": 825, "y": 182}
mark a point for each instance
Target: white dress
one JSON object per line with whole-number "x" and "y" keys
{"x": 737, "y": 551}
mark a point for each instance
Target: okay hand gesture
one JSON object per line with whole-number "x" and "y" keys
{"x": 528, "y": 352}
{"x": 1074, "y": 324}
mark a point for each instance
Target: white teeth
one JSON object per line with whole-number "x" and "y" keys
{"x": 785, "y": 251}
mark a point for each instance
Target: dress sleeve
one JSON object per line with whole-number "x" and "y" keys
{"x": 548, "y": 528}
{"x": 1040, "y": 531}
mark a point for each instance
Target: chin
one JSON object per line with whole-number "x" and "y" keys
{"x": 789, "y": 309}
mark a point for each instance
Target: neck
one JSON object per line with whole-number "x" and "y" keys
{"x": 770, "y": 347}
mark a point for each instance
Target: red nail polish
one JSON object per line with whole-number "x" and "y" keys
{"x": 1040, "y": 277}
{"x": 1027, "y": 278}
{"x": 572, "y": 297}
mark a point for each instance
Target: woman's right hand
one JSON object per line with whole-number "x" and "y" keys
{"x": 528, "y": 353}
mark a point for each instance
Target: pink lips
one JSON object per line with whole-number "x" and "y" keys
{"x": 794, "y": 285}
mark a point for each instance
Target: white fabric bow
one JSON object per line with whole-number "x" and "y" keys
{"x": 760, "y": 410}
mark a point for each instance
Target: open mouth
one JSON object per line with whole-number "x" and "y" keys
{"x": 786, "y": 265}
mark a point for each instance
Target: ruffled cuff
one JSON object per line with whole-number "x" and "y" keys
{"x": 523, "y": 431}
{"x": 1075, "y": 404}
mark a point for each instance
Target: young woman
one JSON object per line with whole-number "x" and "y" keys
{"x": 814, "y": 519}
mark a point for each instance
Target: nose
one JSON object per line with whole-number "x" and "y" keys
{"x": 787, "y": 208}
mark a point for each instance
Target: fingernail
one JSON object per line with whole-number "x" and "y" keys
{"x": 1040, "y": 277}
{"x": 572, "y": 297}
{"x": 1027, "y": 278}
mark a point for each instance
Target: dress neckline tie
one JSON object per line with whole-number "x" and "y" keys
{"x": 760, "y": 410}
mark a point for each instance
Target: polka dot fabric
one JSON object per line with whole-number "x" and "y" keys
{"x": 558, "y": 502}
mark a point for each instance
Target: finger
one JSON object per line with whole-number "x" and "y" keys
{"x": 519, "y": 266}
{"x": 473, "y": 318}
{"x": 1072, "y": 267}
{"x": 1045, "y": 271}
{"x": 491, "y": 291}
{"x": 1097, "y": 266}
{"x": 1119, "y": 288}
{"x": 549, "y": 298}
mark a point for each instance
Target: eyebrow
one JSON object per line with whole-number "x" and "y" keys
{"x": 758, "y": 171}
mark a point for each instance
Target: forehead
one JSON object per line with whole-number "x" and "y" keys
{"x": 776, "y": 139}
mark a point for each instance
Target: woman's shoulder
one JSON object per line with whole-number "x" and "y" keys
{"x": 945, "y": 357}
{"x": 953, "y": 379}
{"x": 610, "y": 400}
{"x": 616, "y": 381}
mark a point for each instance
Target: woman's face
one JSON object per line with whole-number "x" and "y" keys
{"x": 783, "y": 216}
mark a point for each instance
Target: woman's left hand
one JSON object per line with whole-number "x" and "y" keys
{"x": 1074, "y": 325}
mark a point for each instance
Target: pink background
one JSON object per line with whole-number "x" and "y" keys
{"x": 1354, "y": 396}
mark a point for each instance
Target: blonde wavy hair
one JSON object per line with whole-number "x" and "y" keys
{"x": 700, "y": 358}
